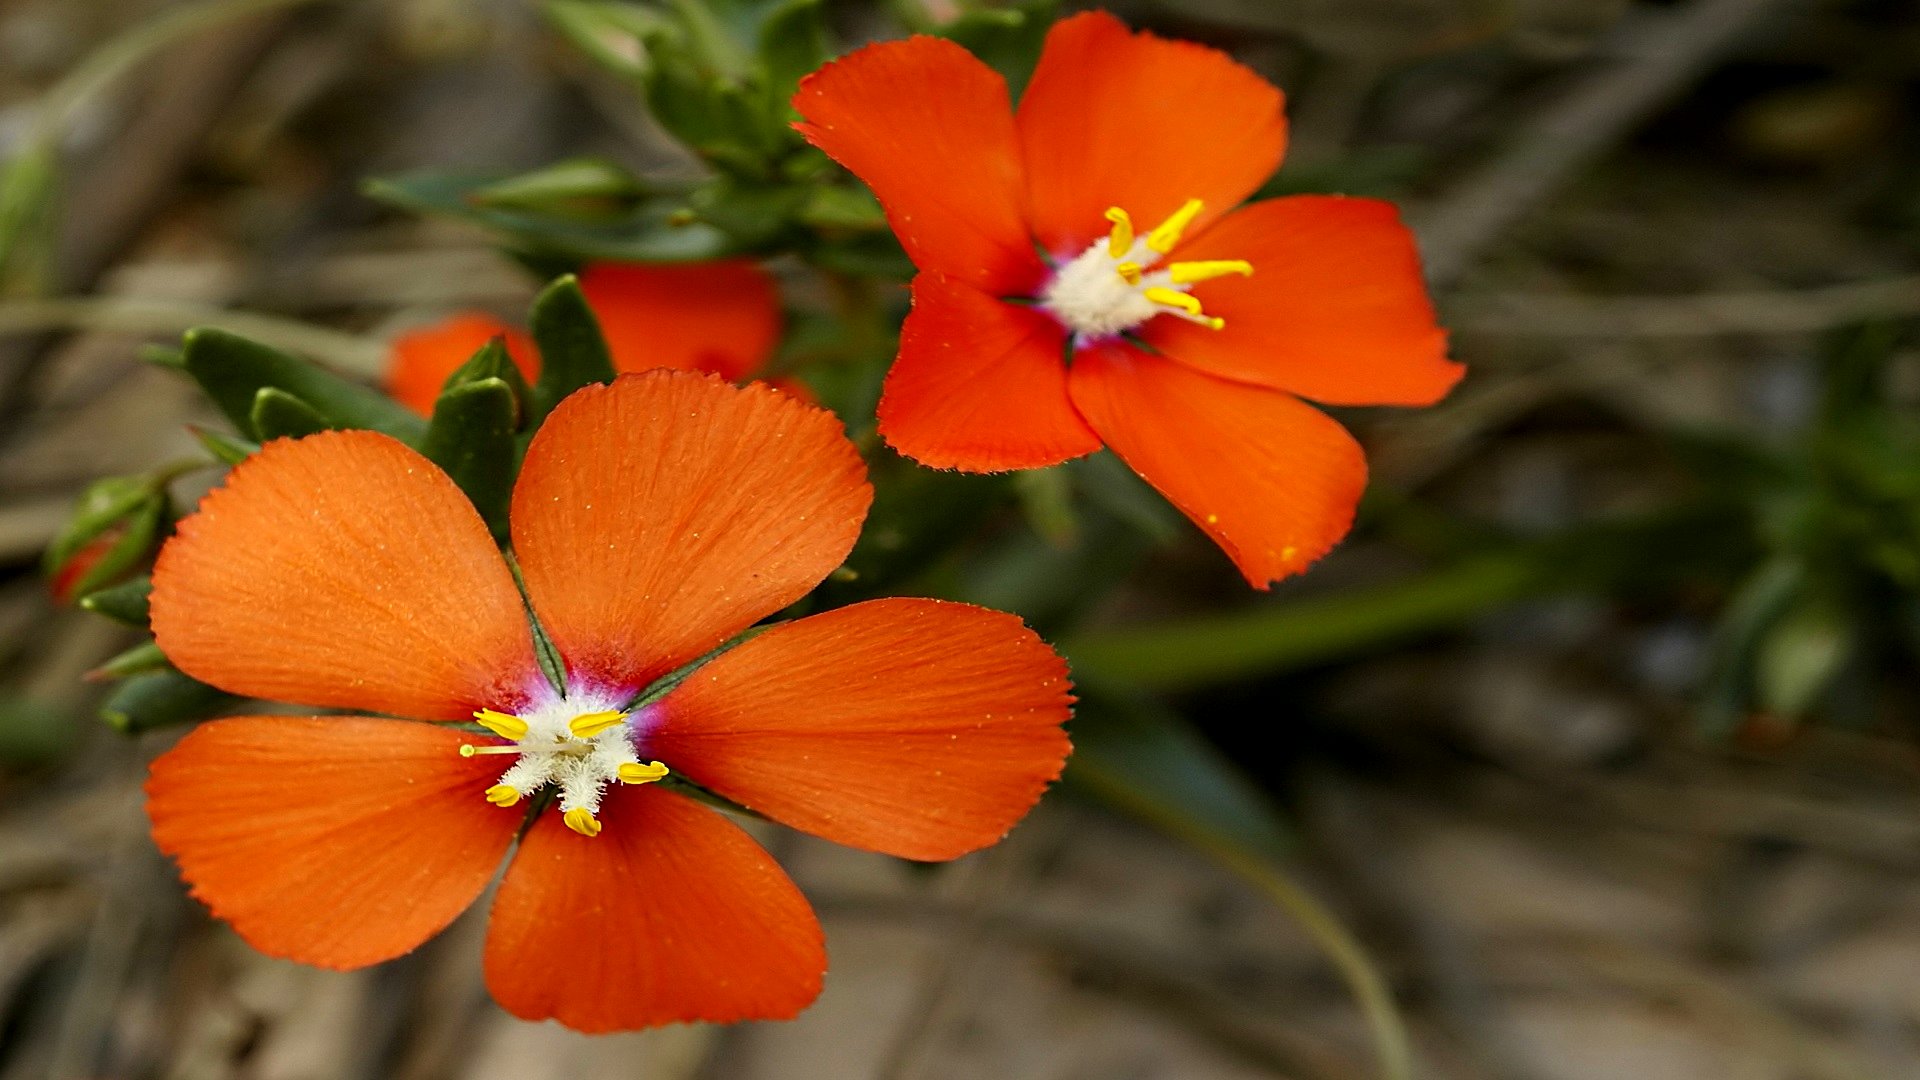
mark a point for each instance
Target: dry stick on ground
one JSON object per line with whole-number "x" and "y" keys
{"x": 1663, "y": 52}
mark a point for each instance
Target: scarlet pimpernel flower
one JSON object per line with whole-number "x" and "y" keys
{"x": 655, "y": 520}
{"x": 721, "y": 316}
{"x": 1085, "y": 279}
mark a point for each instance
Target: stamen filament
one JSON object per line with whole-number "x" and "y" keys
{"x": 587, "y": 725}
{"x": 505, "y": 725}
{"x": 582, "y": 821}
{"x": 469, "y": 749}
{"x": 642, "y": 772}
{"x": 1186, "y": 273}
{"x": 1174, "y": 298}
{"x": 1121, "y": 238}
{"x": 1166, "y": 234}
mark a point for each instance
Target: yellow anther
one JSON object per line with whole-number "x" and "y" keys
{"x": 1186, "y": 273}
{"x": 502, "y": 795}
{"x": 582, "y": 821}
{"x": 587, "y": 725}
{"x": 642, "y": 772}
{"x": 1121, "y": 237}
{"x": 1173, "y": 298}
{"x": 1166, "y": 234}
{"x": 505, "y": 725}
{"x": 1129, "y": 272}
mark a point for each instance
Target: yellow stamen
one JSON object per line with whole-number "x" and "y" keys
{"x": 469, "y": 749}
{"x": 1166, "y": 234}
{"x": 582, "y": 821}
{"x": 502, "y": 795}
{"x": 1121, "y": 238}
{"x": 1173, "y": 298}
{"x": 642, "y": 772}
{"x": 505, "y": 725}
{"x": 587, "y": 725}
{"x": 1129, "y": 272}
{"x": 1186, "y": 273}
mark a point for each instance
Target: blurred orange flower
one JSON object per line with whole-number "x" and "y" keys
{"x": 721, "y": 316}
{"x": 656, "y": 519}
{"x": 1085, "y": 279}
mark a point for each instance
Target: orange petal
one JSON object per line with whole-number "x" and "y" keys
{"x": 930, "y": 130}
{"x": 722, "y": 317}
{"x": 344, "y": 570}
{"x": 658, "y": 516}
{"x": 339, "y": 841}
{"x": 419, "y": 361}
{"x": 1114, "y": 118}
{"x": 1273, "y": 480}
{"x": 1336, "y": 309}
{"x": 670, "y": 914}
{"x": 980, "y": 385}
{"x": 918, "y": 728}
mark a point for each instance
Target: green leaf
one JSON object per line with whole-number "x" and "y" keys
{"x": 162, "y": 699}
{"x": 472, "y": 439}
{"x": 1008, "y": 38}
{"x": 1134, "y": 752}
{"x": 610, "y": 33}
{"x": 233, "y": 370}
{"x": 277, "y": 414}
{"x": 655, "y": 228}
{"x": 106, "y": 504}
{"x": 573, "y": 353}
{"x": 564, "y": 182}
{"x": 138, "y": 660}
{"x": 123, "y": 603}
{"x": 1801, "y": 654}
{"x": 114, "y": 528}
{"x": 1766, "y": 594}
{"x": 793, "y": 43}
{"x": 230, "y": 449}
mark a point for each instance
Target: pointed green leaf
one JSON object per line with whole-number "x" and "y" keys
{"x": 162, "y": 699}
{"x": 277, "y": 414}
{"x": 559, "y": 184}
{"x": 573, "y": 353}
{"x": 472, "y": 438}
{"x": 233, "y": 370}
{"x": 138, "y": 660}
{"x": 230, "y": 449}
{"x": 491, "y": 361}
{"x": 124, "y": 603}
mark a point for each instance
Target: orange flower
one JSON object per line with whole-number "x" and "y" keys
{"x": 655, "y": 519}
{"x": 1096, "y": 224}
{"x": 722, "y": 317}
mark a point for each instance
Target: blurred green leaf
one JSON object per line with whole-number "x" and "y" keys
{"x": 1801, "y": 653}
{"x": 656, "y": 228}
{"x": 573, "y": 352}
{"x": 29, "y": 185}
{"x": 1757, "y": 605}
{"x": 162, "y": 699}
{"x": 34, "y": 732}
{"x": 229, "y": 449}
{"x": 124, "y": 603}
{"x": 1007, "y": 38}
{"x": 233, "y": 370}
{"x": 1135, "y": 753}
{"x": 564, "y": 184}
{"x": 609, "y": 33}
{"x": 277, "y": 414}
{"x": 138, "y": 660}
{"x": 793, "y": 42}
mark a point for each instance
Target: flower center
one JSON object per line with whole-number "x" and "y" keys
{"x": 1118, "y": 283}
{"x": 579, "y": 752}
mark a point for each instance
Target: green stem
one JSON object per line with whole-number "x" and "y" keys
{"x": 1369, "y": 988}
{"x": 132, "y": 316}
{"x": 1280, "y": 637}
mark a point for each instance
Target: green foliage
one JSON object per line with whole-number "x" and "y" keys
{"x": 160, "y": 699}
{"x": 114, "y": 527}
{"x": 233, "y": 370}
{"x": 573, "y": 352}
{"x": 123, "y": 603}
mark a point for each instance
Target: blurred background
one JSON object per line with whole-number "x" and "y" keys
{"x": 1594, "y": 748}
